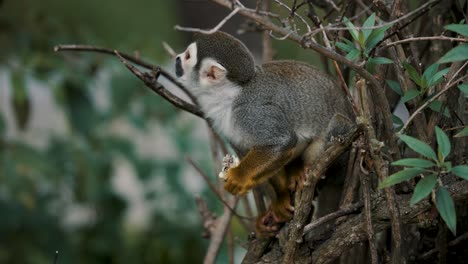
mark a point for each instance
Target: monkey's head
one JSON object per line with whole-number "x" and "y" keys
{"x": 215, "y": 60}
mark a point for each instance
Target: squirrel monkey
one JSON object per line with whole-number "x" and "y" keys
{"x": 277, "y": 116}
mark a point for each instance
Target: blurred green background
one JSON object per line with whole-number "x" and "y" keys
{"x": 91, "y": 161}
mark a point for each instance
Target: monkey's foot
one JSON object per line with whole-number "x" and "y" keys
{"x": 270, "y": 222}
{"x": 282, "y": 209}
{"x": 297, "y": 180}
{"x": 266, "y": 225}
{"x": 229, "y": 161}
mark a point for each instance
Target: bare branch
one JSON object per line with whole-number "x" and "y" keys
{"x": 213, "y": 30}
{"x": 169, "y": 49}
{"x": 380, "y": 168}
{"x": 327, "y": 218}
{"x": 425, "y": 38}
{"x": 151, "y": 81}
{"x": 417, "y": 10}
{"x": 213, "y": 188}
{"x": 219, "y": 233}
{"x": 367, "y": 212}
{"x": 295, "y": 14}
{"x": 353, "y": 231}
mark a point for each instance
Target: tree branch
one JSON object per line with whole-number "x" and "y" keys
{"x": 150, "y": 79}
{"x": 353, "y": 231}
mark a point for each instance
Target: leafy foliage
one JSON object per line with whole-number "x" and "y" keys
{"x": 430, "y": 171}
{"x": 366, "y": 39}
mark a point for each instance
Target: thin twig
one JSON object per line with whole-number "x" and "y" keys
{"x": 367, "y": 212}
{"x": 452, "y": 243}
{"x": 327, "y": 218}
{"x": 215, "y": 190}
{"x": 151, "y": 81}
{"x": 210, "y": 31}
{"x": 220, "y": 232}
{"x": 340, "y": 74}
{"x": 328, "y": 28}
{"x": 169, "y": 49}
{"x": 295, "y": 14}
{"x": 208, "y": 218}
{"x": 424, "y": 38}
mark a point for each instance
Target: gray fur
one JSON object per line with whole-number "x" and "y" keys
{"x": 287, "y": 99}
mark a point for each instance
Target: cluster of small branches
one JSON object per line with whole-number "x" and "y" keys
{"x": 373, "y": 143}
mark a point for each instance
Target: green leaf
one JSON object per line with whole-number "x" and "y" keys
{"x": 361, "y": 39}
{"x": 462, "y": 133}
{"x": 463, "y": 88}
{"x": 419, "y": 146}
{"x": 414, "y": 162}
{"x": 413, "y": 73}
{"x": 352, "y": 29}
{"x": 443, "y": 142}
{"x": 461, "y": 171}
{"x": 446, "y": 208}
{"x": 410, "y": 95}
{"x": 438, "y": 77}
{"x": 423, "y": 188}
{"x": 395, "y": 86}
{"x": 370, "y": 21}
{"x": 375, "y": 37}
{"x": 460, "y": 29}
{"x": 344, "y": 47}
{"x": 397, "y": 121}
{"x": 381, "y": 60}
{"x": 353, "y": 55}
{"x": 459, "y": 53}
{"x": 400, "y": 176}
{"x": 430, "y": 71}
{"x": 436, "y": 106}
{"x": 447, "y": 165}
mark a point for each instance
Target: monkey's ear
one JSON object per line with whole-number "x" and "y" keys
{"x": 216, "y": 73}
{"x": 213, "y": 72}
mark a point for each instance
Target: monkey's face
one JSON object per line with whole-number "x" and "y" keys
{"x": 199, "y": 73}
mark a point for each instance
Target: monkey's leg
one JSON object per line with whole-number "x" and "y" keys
{"x": 280, "y": 210}
{"x": 337, "y": 127}
{"x": 259, "y": 165}
{"x": 295, "y": 171}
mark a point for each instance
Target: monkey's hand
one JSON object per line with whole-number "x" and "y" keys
{"x": 236, "y": 183}
{"x": 229, "y": 161}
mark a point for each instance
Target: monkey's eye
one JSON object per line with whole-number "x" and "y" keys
{"x": 187, "y": 56}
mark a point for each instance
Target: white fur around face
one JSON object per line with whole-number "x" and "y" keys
{"x": 189, "y": 60}
{"x": 217, "y": 105}
{"x": 215, "y": 96}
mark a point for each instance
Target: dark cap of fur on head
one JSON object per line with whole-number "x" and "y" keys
{"x": 231, "y": 53}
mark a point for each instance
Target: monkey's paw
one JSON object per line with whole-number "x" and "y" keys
{"x": 283, "y": 211}
{"x": 266, "y": 225}
{"x": 236, "y": 184}
{"x": 229, "y": 161}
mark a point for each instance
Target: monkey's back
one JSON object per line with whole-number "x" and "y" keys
{"x": 295, "y": 87}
